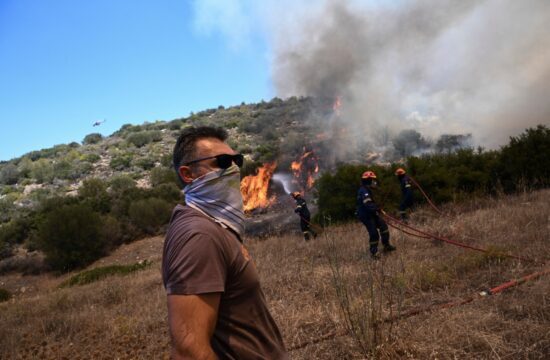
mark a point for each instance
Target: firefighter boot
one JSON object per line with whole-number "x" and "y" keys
{"x": 374, "y": 250}
{"x": 386, "y": 240}
{"x": 388, "y": 248}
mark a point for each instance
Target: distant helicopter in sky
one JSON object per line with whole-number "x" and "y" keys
{"x": 97, "y": 123}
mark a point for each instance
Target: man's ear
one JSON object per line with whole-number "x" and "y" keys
{"x": 186, "y": 174}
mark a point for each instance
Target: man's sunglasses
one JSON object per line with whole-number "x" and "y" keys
{"x": 223, "y": 160}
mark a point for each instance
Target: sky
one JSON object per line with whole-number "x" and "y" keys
{"x": 65, "y": 64}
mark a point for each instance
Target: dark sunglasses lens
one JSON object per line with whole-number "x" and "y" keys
{"x": 225, "y": 160}
{"x": 238, "y": 159}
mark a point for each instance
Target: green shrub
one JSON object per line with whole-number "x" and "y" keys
{"x": 338, "y": 191}
{"x": 42, "y": 170}
{"x": 93, "y": 138}
{"x": 9, "y": 174}
{"x": 24, "y": 166}
{"x": 111, "y": 231}
{"x": 6, "y": 249}
{"x": 99, "y": 273}
{"x": 15, "y": 231}
{"x": 94, "y": 192}
{"x": 142, "y": 138}
{"x": 63, "y": 169}
{"x": 266, "y": 152}
{"x": 121, "y": 161}
{"x": 525, "y": 160}
{"x": 163, "y": 175}
{"x": 167, "y": 191}
{"x": 150, "y": 214}
{"x": 145, "y": 163}
{"x": 4, "y": 295}
{"x": 91, "y": 158}
{"x": 175, "y": 124}
{"x": 7, "y": 206}
{"x": 121, "y": 200}
{"x": 70, "y": 236}
{"x": 121, "y": 183}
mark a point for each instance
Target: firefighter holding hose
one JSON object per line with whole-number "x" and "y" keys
{"x": 369, "y": 214}
{"x": 304, "y": 214}
{"x": 407, "y": 199}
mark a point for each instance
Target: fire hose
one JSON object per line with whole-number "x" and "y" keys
{"x": 446, "y": 240}
{"x": 426, "y": 196}
{"x": 317, "y": 228}
{"x": 482, "y": 294}
{"x": 431, "y": 308}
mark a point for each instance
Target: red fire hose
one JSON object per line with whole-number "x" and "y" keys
{"x": 449, "y": 241}
{"x": 431, "y": 308}
{"x": 482, "y": 294}
{"x": 426, "y": 196}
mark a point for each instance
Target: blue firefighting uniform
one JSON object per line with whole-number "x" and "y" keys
{"x": 406, "y": 195}
{"x": 305, "y": 218}
{"x": 368, "y": 213}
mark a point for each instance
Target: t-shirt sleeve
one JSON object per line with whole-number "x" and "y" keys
{"x": 195, "y": 266}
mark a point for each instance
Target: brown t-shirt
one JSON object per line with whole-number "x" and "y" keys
{"x": 200, "y": 256}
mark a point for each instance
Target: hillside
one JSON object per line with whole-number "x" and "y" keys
{"x": 278, "y": 130}
{"x": 307, "y": 284}
{"x": 255, "y": 130}
{"x": 121, "y": 188}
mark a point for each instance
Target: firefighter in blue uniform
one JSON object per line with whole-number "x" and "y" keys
{"x": 407, "y": 199}
{"x": 305, "y": 217}
{"x": 369, "y": 214}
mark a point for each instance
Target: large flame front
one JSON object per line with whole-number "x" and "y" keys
{"x": 254, "y": 187}
{"x": 305, "y": 168}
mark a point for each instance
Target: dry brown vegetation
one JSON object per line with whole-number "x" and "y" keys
{"x": 328, "y": 296}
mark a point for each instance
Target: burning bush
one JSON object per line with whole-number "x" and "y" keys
{"x": 254, "y": 188}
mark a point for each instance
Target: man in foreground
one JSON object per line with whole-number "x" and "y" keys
{"x": 216, "y": 308}
{"x": 369, "y": 214}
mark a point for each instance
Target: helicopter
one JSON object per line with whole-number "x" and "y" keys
{"x": 97, "y": 123}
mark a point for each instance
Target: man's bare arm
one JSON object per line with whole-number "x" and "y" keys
{"x": 192, "y": 320}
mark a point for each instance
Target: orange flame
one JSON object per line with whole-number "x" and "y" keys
{"x": 254, "y": 187}
{"x": 305, "y": 174}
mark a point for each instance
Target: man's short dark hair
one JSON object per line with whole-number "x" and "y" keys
{"x": 185, "y": 151}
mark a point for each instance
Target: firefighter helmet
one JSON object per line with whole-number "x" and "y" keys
{"x": 368, "y": 175}
{"x": 400, "y": 171}
{"x": 295, "y": 194}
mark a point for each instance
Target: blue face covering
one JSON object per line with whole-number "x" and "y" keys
{"x": 218, "y": 195}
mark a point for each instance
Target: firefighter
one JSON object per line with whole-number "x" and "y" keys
{"x": 305, "y": 217}
{"x": 407, "y": 199}
{"x": 369, "y": 214}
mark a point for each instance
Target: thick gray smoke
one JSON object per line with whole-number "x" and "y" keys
{"x": 479, "y": 67}
{"x": 439, "y": 67}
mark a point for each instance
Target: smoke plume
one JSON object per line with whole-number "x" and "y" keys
{"x": 479, "y": 67}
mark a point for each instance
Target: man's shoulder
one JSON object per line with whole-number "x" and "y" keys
{"x": 188, "y": 221}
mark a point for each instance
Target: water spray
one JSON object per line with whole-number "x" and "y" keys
{"x": 284, "y": 180}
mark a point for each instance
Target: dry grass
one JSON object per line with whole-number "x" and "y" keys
{"x": 305, "y": 283}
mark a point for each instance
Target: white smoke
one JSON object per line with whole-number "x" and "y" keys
{"x": 439, "y": 66}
